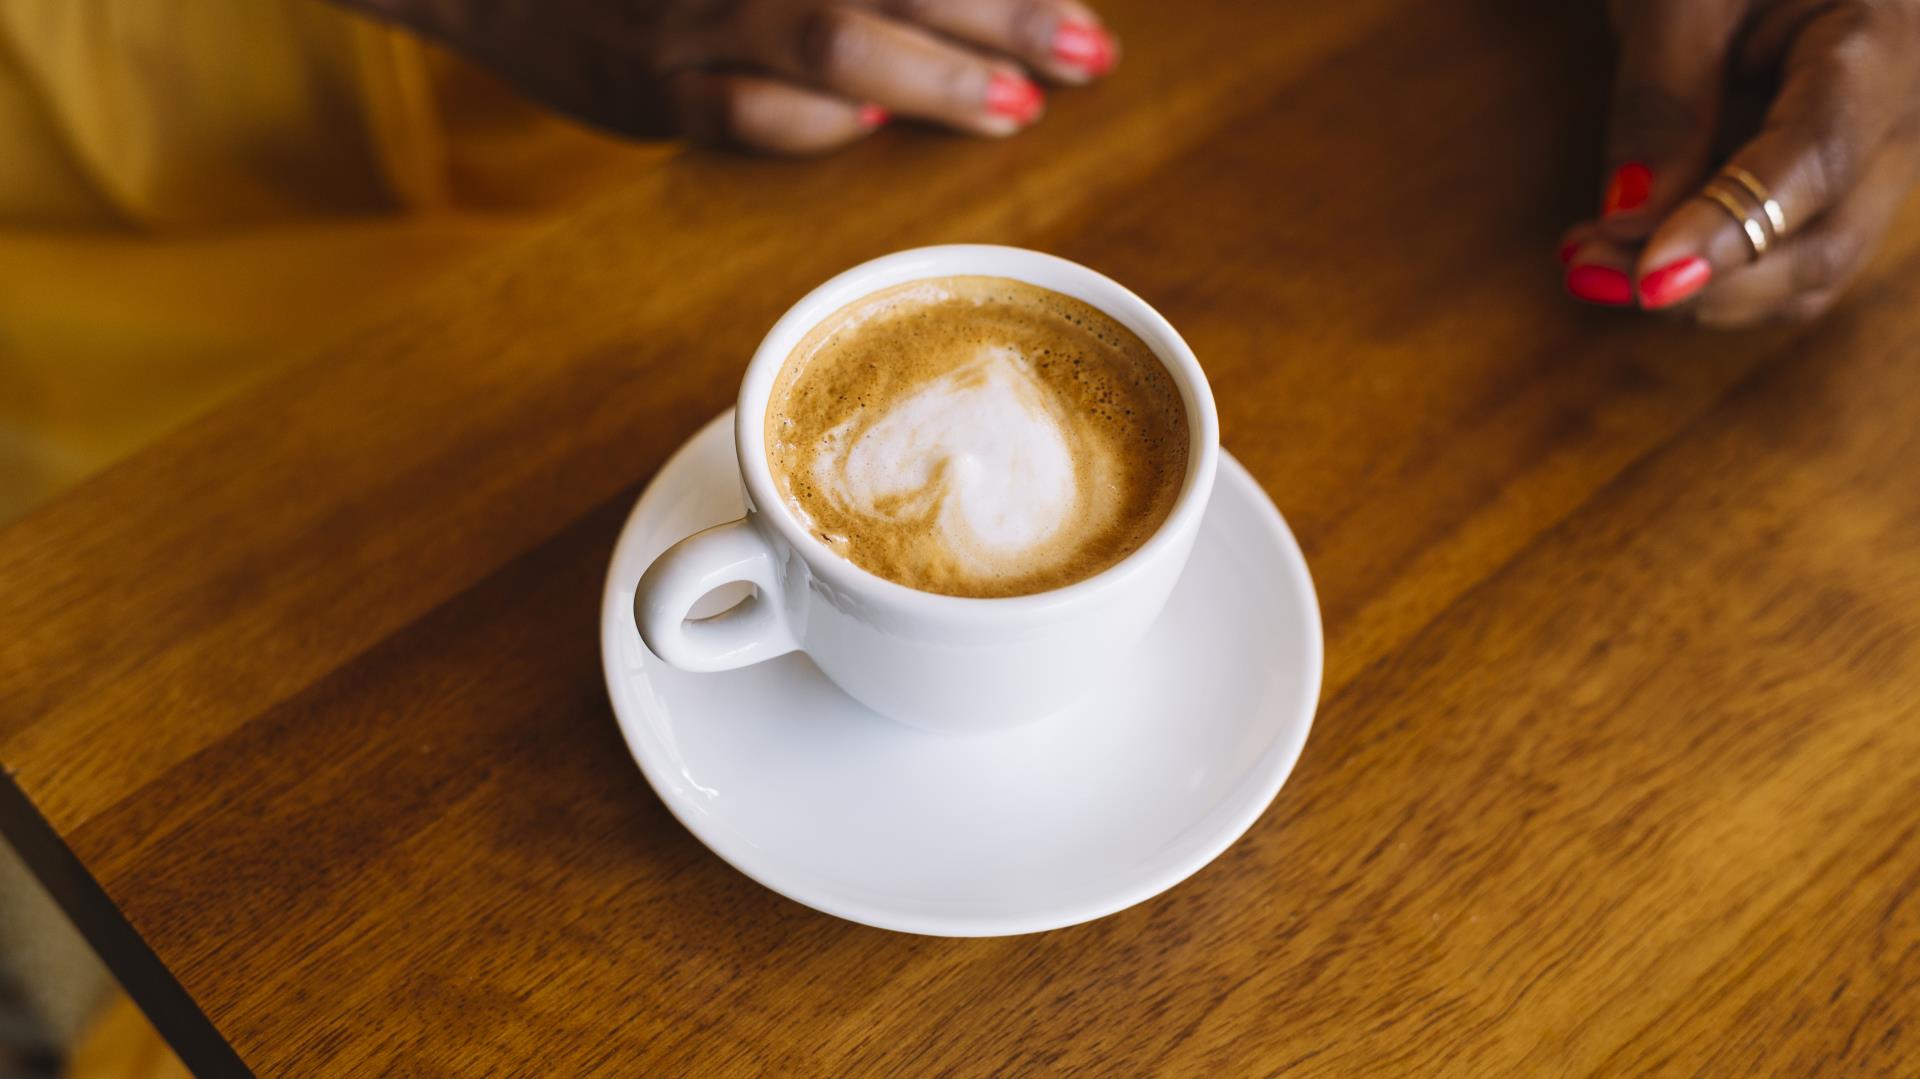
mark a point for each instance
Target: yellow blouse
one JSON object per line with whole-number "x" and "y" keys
{"x": 189, "y": 189}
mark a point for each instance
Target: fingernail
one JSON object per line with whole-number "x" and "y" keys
{"x": 1084, "y": 45}
{"x": 1631, "y": 186}
{"x": 1567, "y": 251}
{"x": 1600, "y": 284}
{"x": 1678, "y": 280}
{"x": 1014, "y": 97}
{"x": 872, "y": 116}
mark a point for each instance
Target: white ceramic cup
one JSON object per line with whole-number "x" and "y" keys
{"x": 934, "y": 661}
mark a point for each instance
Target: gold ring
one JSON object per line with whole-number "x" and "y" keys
{"x": 1756, "y": 236}
{"x": 1759, "y": 192}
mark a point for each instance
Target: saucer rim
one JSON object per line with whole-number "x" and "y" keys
{"x": 1273, "y": 770}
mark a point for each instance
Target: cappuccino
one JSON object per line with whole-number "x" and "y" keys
{"x": 977, "y": 436}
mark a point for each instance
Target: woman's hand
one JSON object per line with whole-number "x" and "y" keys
{"x": 1837, "y": 147}
{"x": 783, "y": 76}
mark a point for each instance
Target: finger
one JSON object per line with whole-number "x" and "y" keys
{"x": 1572, "y": 240}
{"x": 1598, "y": 272}
{"x": 1666, "y": 108}
{"x": 1771, "y": 34}
{"x": 1061, "y": 39}
{"x": 768, "y": 115}
{"x": 1834, "y": 111}
{"x": 1804, "y": 276}
{"x": 863, "y": 55}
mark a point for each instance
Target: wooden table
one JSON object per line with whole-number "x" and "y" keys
{"x": 1617, "y": 767}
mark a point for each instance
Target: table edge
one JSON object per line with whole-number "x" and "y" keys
{"x": 166, "y": 1003}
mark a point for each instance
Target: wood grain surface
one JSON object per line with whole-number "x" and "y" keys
{"x": 1616, "y": 770}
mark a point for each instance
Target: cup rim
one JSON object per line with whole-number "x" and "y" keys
{"x": 1020, "y": 264}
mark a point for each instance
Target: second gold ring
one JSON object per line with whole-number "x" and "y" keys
{"x": 1757, "y": 239}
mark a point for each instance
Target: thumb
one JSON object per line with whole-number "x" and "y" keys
{"x": 1666, "y": 108}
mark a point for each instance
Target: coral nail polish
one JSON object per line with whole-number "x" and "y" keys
{"x": 1085, "y": 46}
{"x": 1014, "y": 97}
{"x": 873, "y": 116}
{"x": 1631, "y": 187}
{"x": 1675, "y": 282}
{"x": 1601, "y": 285}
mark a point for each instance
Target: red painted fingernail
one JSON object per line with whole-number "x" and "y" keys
{"x": 1632, "y": 185}
{"x": 873, "y": 116}
{"x": 1014, "y": 97}
{"x": 1084, "y": 45}
{"x": 1600, "y": 284}
{"x": 1678, "y": 280}
{"x": 1567, "y": 251}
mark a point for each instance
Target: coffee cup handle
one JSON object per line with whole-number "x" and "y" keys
{"x": 753, "y": 630}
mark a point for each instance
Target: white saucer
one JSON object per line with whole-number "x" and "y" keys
{"x": 1063, "y": 821}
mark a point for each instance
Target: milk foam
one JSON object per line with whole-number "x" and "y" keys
{"x": 981, "y": 451}
{"x": 975, "y": 436}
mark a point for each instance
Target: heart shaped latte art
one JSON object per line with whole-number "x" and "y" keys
{"x": 980, "y": 454}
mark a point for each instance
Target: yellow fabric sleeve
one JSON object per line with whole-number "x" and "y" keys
{"x": 193, "y": 190}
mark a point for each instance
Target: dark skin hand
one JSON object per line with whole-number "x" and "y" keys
{"x": 1835, "y": 139}
{"x": 779, "y": 76}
